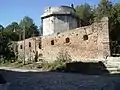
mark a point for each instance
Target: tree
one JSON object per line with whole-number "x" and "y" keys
{"x": 85, "y": 14}
{"x": 6, "y": 36}
{"x": 27, "y": 22}
{"x": 5, "y": 51}
{"x": 12, "y": 33}
{"x": 1, "y": 28}
{"x": 12, "y": 30}
{"x": 115, "y": 23}
{"x": 103, "y": 9}
{"x": 29, "y": 26}
{"x": 117, "y": 11}
{"x": 107, "y": 9}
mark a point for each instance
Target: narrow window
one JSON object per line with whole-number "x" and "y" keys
{"x": 58, "y": 33}
{"x": 76, "y": 34}
{"x": 118, "y": 42}
{"x": 67, "y": 40}
{"x": 85, "y": 37}
{"x": 40, "y": 45}
{"x": 20, "y": 46}
{"x": 29, "y": 44}
{"x": 52, "y": 42}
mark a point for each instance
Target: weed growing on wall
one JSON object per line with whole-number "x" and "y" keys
{"x": 63, "y": 57}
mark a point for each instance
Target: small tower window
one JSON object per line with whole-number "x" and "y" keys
{"x": 58, "y": 33}
{"x": 21, "y": 47}
{"x": 40, "y": 45}
{"x": 67, "y": 40}
{"x": 29, "y": 44}
{"x": 85, "y": 37}
{"x": 52, "y": 42}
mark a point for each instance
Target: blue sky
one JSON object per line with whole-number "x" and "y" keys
{"x": 15, "y": 10}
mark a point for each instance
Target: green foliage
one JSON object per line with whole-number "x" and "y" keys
{"x": 30, "y": 28}
{"x": 14, "y": 32}
{"x": 26, "y": 21}
{"x": 104, "y": 9}
{"x": 85, "y": 14}
{"x": 117, "y": 11}
{"x": 1, "y": 28}
{"x": 5, "y": 51}
{"x": 63, "y": 57}
{"x": 115, "y": 22}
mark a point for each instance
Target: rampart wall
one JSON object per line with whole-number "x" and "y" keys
{"x": 84, "y": 43}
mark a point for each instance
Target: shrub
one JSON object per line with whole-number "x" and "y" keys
{"x": 60, "y": 63}
{"x": 45, "y": 65}
{"x": 63, "y": 57}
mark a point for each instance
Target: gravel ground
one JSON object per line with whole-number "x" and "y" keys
{"x": 58, "y": 81}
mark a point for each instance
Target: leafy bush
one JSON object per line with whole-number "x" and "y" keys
{"x": 63, "y": 57}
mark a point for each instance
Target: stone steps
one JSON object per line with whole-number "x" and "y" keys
{"x": 113, "y": 59}
{"x": 113, "y": 64}
{"x": 113, "y": 70}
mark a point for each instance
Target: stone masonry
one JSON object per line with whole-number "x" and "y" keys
{"x": 59, "y": 19}
{"x": 83, "y": 43}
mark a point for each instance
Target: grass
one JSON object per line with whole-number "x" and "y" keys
{"x": 43, "y": 65}
{"x": 60, "y": 62}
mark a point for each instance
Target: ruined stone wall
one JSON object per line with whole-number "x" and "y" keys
{"x": 30, "y": 50}
{"x": 58, "y": 10}
{"x": 84, "y": 43}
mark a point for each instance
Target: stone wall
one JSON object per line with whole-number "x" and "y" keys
{"x": 84, "y": 43}
{"x": 48, "y": 26}
{"x": 64, "y": 23}
{"x": 30, "y": 50}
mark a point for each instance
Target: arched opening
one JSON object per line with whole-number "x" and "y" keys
{"x": 67, "y": 40}
{"x": 21, "y": 47}
{"x": 29, "y": 44}
{"x": 52, "y": 42}
{"x": 40, "y": 46}
{"x": 85, "y": 37}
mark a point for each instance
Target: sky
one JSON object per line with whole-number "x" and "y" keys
{"x": 15, "y": 10}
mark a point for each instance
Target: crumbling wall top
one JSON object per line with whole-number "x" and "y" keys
{"x": 105, "y": 19}
{"x": 58, "y": 10}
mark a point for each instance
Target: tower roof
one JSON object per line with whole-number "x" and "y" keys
{"x": 58, "y": 10}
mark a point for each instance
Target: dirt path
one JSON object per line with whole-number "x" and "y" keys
{"x": 19, "y": 70}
